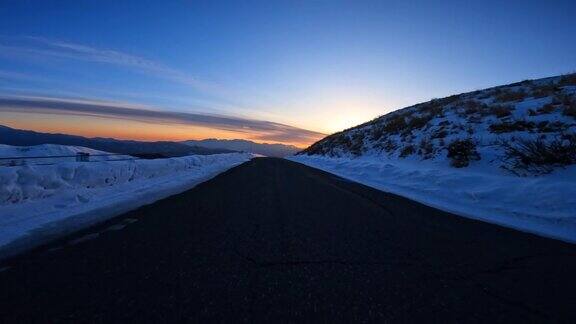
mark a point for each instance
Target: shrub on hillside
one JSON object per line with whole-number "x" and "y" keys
{"x": 418, "y": 122}
{"x": 510, "y": 95}
{"x": 569, "y": 110}
{"x": 544, "y": 90}
{"x": 436, "y": 106}
{"x": 389, "y": 145}
{"x": 440, "y": 133}
{"x": 356, "y": 143}
{"x": 474, "y": 119}
{"x": 526, "y": 82}
{"x": 376, "y": 132}
{"x": 569, "y": 106}
{"x": 407, "y": 150}
{"x": 461, "y": 152}
{"x": 426, "y": 148}
{"x": 448, "y": 100}
{"x": 473, "y": 107}
{"x": 501, "y": 111}
{"x": 538, "y": 156}
{"x": 546, "y": 109}
{"x": 516, "y": 126}
{"x": 562, "y": 99}
{"x": 568, "y": 79}
{"x": 550, "y": 127}
{"x": 395, "y": 124}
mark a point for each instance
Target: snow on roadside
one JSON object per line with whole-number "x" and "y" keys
{"x": 54, "y": 151}
{"x": 41, "y": 202}
{"x": 540, "y": 205}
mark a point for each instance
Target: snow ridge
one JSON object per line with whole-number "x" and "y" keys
{"x": 480, "y": 127}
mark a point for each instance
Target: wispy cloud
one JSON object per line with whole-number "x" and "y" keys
{"x": 11, "y": 75}
{"x": 255, "y": 129}
{"x": 39, "y": 47}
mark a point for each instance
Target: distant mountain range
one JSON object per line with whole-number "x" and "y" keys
{"x": 18, "y": 137}
{"x": 275, "y": 150}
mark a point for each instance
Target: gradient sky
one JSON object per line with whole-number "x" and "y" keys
{"x": 272, "y": 71}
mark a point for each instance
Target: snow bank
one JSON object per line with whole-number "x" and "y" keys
{"x": 41, "y": 202}
{"x": 46, "y": 150}
{"x": 540, "y": 205}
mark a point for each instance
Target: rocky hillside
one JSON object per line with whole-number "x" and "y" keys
{"x": 527, "y": 127}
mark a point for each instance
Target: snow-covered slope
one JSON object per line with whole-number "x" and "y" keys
{"x": 505, "y": 155}
{"x": 527, "y": 128}
{"x": 50, "y": 153}
{"x": 41, "y": 202}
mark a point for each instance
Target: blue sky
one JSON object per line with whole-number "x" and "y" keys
{"x": 319, "y": 66}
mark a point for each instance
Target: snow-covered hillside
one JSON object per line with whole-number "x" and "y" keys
{"x": 505, "y": 155}
{"x": 40, "y": 202}
{"x": 526, "y": 128}
{"x": 51, "y": 153}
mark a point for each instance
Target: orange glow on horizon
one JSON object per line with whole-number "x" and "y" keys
{"x": 125, "y": 129}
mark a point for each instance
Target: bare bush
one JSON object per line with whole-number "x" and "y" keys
{"x": 568, "y": 79}
{"x": 569, "y": 109}
{"x": 426, "y": 148}
{"x": 389, "y": 145}
{"x": 568, "y": 104}
{"x": 474, "y": 107}
{"x": 538, "y": 156}
{"x": 376, "y": 132}
{"x": 356, "y": 143}
{"x": 461, "y": 152}
{"x": 395, "y": 124}
{"x": 510, "y": 95}
{"x": 550, "y": 127}
{"x": 419, "y": 122}
{"x": 544, "y": 90}
{"x": 407, "y": 150}
{"x": 501, "y": 111}
{"x": 562, "y": 99}
{"x": 507, "y": 127}
{"x": 440, "y": 133}
{"x": 546, "y": 109}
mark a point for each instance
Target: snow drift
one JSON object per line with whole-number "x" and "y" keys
{"x": 41, "y": 202}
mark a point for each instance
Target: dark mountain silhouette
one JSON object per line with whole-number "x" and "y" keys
{"x": 19, "y": 137}
{"x": 274, "y": 150}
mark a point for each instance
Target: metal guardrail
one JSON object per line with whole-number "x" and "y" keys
{"x": 57, "y": 156}
{"x": 80, "y": 157}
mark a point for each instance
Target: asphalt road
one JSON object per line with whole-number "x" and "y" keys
{"x": 275, "y": 241}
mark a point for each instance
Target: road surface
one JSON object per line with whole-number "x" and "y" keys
{"x": 275, "y": 241}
